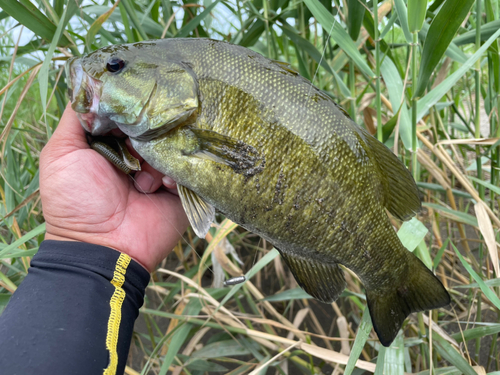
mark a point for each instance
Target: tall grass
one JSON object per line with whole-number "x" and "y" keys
{"x": 427, "y": 85}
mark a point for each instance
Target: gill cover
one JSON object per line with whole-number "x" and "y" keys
{"x": 149, "y": 96}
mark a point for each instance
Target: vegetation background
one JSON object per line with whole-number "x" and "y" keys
{"x": 422, "y": 76}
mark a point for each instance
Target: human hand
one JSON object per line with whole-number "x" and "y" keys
{"x": 85, "y": 198}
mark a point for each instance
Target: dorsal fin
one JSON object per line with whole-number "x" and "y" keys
{"x": 401, "y": 195}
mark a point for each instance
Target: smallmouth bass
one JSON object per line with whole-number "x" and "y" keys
{"x": 251, "y": 138}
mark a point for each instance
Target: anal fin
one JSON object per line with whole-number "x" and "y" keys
{"x": 200, "y": 213}
{"x": 323, "y": 281}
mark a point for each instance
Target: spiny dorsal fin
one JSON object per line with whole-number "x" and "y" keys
{"x": 323, "y": 281}
{"x": 200, "y": 213}
{"x": 401, "y": 196}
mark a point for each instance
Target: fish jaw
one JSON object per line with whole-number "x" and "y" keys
{"x": 85, "y": 92}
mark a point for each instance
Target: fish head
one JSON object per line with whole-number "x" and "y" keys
{"x": 142, "y": 91}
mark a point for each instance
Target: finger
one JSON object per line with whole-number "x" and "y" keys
{"x": 169, "y": 182}
{"x": 148, "y": 180}
{"x": 69, "y": 135}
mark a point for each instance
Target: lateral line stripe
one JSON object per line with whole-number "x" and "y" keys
{"x": 115, "y": 315}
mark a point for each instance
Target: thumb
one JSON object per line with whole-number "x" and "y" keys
{"x": 68, "y": 137}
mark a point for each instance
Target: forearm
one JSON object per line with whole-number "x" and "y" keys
{"x": 74, "y": 313}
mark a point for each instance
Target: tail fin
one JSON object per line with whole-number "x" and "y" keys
{"x": 420, "y": 291}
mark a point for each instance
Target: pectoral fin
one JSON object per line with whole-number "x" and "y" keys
{"x": 323, "y": 281}
{"x": 200, "y": 213}
{"x": 241, "y": 157}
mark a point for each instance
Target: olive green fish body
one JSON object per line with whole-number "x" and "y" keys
{"x": 252, "y": 138}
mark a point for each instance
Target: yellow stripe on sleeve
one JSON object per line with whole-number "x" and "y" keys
{"x": 115, "y": 315}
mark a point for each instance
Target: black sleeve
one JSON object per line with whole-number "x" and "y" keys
{"x": 74, "y": 312}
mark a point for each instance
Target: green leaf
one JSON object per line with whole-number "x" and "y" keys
{"x": 180, "y": 335}
{"x": 389, "y": 126}
{"x": 478, "y": 332}
{"x": 394, "y": 85}
{"x": 440, "y": 253}
{"x": 43, "y": 74}
{"x": 97, "y": 25}
{"x": 28, "y": 15}
{"x": 461, "y": 217}
{"x": 487, "y": 30}
{"x": 193, "y": 24}
{"x": 364, "y": 329}
{"x": 490, "y": 282}
{"x": 403, "y": 19}
{"x": 452, "y": 51}
{"x": 28, "y": 236}
{"x": 417, "y": 9}
{"x": 4, "y": 299}
{"x": 492, "y": 187}
{"x": 202, "y": 365}
{"x": 394, "y": 357}
{"x": 338, "y": 34}
{"x": 227, "y": 348}
{"x": 176, "y": 342}
{"x": 422, "y": 251}
{"x": 412, "y": 233}
{"x": 287, "y": 295}
{"x": 484, "y": 288}
{"x": 437, "y": 187}
{"x": 438, "y": 92}
{"x": 308, "y": 47}
{"x": 134, "y": 18}
{"x": 448, "y": 352}
{"x": 441, "y": 32}
{"x": 355, "y": 18}
{"x": 379, "y": 370}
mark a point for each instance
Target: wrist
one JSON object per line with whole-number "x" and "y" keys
{"x": 92, "y": 240}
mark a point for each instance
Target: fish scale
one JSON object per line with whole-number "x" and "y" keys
{"x": 253, "y": 139}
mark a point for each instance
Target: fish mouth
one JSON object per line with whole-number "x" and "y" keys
{"x": 85, "y": 93}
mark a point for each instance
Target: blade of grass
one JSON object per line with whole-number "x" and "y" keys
{"x": 365, "y": 327}
{"x": 417, "y": 10}
{"x": 308, "y": 47}
{"x": 133, "y": 17}
{"x": 95, "y": 27}
{"x": 29, "y": 16}
{"x": 394, "y": 357}
{"x": 438, "y": 92}
{"x": 403, "y": 19}
{"x": 328, "y": 21}
{"x": 441, "y": 32}
{"x": 355, "y": 18}
{"x": 394, "y": 85}
{"x": 448, "y": 352}
{"x": 484, "y": 288}
{"x": 461, "y": 217}
{"x": 28, "y": 236}
{"x": 193, "y": 24}
{"x": 43, "y": 74}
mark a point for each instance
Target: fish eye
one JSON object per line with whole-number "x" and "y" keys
{"x": 115, "y": 64}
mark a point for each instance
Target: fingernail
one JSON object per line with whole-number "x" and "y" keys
{"x": 168, "y": 182}
{"x": 144, "y": 182}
